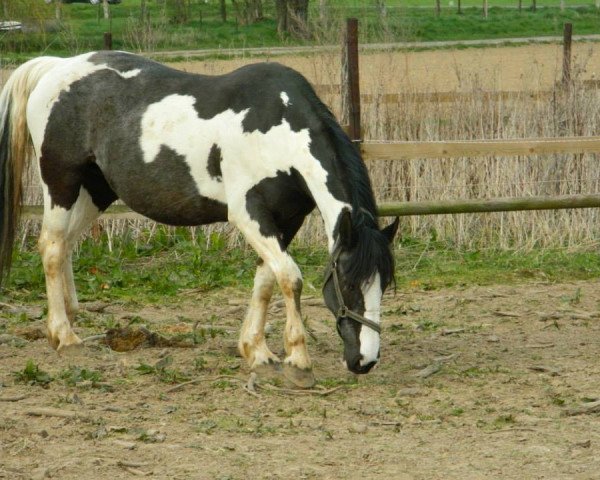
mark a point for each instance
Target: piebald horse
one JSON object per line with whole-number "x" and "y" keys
{"x": 255, "y": 147}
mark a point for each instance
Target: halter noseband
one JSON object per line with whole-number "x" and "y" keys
{"x": 344, "y": 311}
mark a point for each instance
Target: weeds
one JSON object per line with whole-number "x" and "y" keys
{"x": 160, "y": 370}
{"x": 75, "y": 375}
{"x": 33, "y": 375}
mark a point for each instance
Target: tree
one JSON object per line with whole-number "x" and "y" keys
{"x": 249, "y": 11}
{"x": 292, "y": 17}
{"x": 281, "y": 10}
{"x": 223, "y": 11}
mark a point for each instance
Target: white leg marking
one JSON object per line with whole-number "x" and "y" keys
{"x": 369, "y": 338}
{"x": 53, "y": 249}
{"x": 252, "y": 344}
{"x": 289, "y": 278}
{"x": 84, "y": 212}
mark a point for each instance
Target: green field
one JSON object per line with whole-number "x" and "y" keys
{"x": 166, "y": 27}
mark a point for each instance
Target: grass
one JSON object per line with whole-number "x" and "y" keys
{"x": 170, "y": 263}
{"x": 164, "y": 27}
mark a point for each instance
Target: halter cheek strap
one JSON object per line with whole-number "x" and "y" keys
{"x": 343, "y": 311}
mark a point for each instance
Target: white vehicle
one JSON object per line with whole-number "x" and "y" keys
{"x": 8, "y": 25}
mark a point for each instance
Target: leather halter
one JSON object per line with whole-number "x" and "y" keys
{"x": 343, "y": 311}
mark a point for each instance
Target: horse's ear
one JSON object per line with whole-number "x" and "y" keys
{"x": 391, "y": 229}
{"x": 345, "y": 233}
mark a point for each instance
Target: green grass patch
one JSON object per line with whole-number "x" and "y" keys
{"x": 171, "y": 262}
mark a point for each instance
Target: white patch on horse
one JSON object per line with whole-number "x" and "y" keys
{"x": 247, "y": 157}
{"x": 369, "y": 338}
{"x": 285, "y": 99}
{"x": 128, "y": 74}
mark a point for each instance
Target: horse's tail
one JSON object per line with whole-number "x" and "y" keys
{"x": 15, "y": 148}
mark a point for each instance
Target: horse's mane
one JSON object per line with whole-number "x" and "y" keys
{"x": 372, "y": 252}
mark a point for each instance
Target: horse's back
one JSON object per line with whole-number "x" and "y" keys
{"x": 172, "y": 145}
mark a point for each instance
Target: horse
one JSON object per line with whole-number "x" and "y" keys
{"x": 255, "y": 147}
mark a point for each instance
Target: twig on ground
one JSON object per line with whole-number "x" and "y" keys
{"x": 586, "y": 408}
{"x": 135, "y": 471}
{"x": 428, "y": 371}
{"x": 446, "y": 358}
{"x": 15, "y": 398}
{"x": 93, "y": 338}
{"x": 291, "y": 391}
{"x": 540, "y": 345}
{"x": 56, "y": 412}
{"x": 452, "y": 331}
{"x": 122, "y": 463}
{"x": 545, "y": 369}
{"x": 250, "y": 385}
{"x": 194, "y": 381}
{"x": 501, "y": 313}
{"x": 514, "y": 429}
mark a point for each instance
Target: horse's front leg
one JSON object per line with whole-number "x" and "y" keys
{"x": 297, "y": 365}
{"x": 252, "y": 343}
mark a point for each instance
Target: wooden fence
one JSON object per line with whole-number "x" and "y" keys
{"x": 376, "y": 151}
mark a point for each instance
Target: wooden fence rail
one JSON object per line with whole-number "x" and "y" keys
{"x": 374, "y": 151}
{"x": 472, "y": 148}
{"x": 394, "y": 209}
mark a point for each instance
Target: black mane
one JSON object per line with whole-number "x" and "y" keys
{"x": 372, "y": 251}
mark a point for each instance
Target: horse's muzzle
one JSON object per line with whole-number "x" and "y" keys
{"x": 355, "y": 367}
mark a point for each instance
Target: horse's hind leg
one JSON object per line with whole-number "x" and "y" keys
{"x": 84, "y": 212}
{"x": 53, "y": 250}
{"x": 60, "y": 229}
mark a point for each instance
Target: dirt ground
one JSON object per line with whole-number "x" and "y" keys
{"x": 480, "y": 382}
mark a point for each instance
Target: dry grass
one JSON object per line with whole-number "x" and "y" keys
{"x": 571, "y": 112}
{"x": 564, "y": 112}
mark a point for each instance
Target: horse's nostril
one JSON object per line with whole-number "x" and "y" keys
{"x": 366, "y": 368}
{"x": 356, "y": 367}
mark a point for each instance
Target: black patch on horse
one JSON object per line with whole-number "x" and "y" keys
{"x": 214, "y": 163}
{"x": 165, "y": 190}
{"x": 279, "y": 205}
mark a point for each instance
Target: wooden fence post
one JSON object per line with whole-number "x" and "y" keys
{"x": 567, "y": 35}
{"x": 352, "y": 77}
{"x": 107, "y": 41}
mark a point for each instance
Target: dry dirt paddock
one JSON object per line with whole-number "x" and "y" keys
{"x": 475, "y": 383}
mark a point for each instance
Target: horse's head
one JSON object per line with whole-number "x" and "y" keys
{"x": 360, "y": 269}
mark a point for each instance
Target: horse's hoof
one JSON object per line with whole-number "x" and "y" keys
{"x": 71, "y": 344}
{"x": 268, "y": 371}
{"x": 300, "y": 377}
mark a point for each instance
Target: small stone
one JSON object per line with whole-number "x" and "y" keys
{"x": 358, "y": 428}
